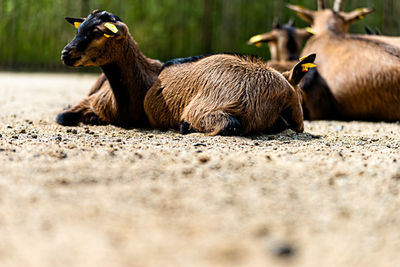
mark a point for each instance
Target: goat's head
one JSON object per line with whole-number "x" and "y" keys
{"x": 284, "y": 41}
{"x": 297, "y": 73}
{"x": 97, "y": 39}
{"x": 330, "y": 19}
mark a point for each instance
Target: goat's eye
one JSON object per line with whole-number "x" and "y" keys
{"x": 97, "y": 33}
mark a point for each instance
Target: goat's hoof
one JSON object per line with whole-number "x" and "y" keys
{"x": 233, "y": 128}
{"x": 68, "y": 118}
{"x": 184, "y": 127}
{"x": 94, "y": 120}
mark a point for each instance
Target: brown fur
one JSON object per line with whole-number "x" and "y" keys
{"x": 118, "y": 94}
{"x": 392, "y": 40}
{"x": 209, "y": 92}
{"x": 362, "y": 75}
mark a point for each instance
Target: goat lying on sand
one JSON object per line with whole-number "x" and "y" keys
{"x": 284, "y": 42}
{"x": 362, "y": 76}
{"x": 225, "y": 94}
{"x": 117, "y": 96}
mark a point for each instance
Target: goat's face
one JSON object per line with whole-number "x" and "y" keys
{"x": 284, "y": 41}
{"x": 329, "y": 19}
{"x": 97, "y": 41}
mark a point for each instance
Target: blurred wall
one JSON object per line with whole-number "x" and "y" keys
{"x": 32, "y": 33}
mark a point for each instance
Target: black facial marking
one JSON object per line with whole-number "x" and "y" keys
{"x": 292, "y": 46}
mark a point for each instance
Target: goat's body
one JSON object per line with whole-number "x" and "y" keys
{"x": 207, "y": 92}
{"x": 363, "y": 77}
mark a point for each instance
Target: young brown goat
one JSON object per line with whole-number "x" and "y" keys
{"x": 117, "y": 96}
{"x": 362, "y": 76}
{"x": 284, "y": 42}
{"x": 225, "y": 94}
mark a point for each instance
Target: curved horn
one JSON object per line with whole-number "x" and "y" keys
{"x": 321, "y": 4}
{"x": 291, "y": 22}
{"x": 338, "y": 6}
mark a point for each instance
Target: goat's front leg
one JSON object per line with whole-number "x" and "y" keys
{"x": 81, "y": 112}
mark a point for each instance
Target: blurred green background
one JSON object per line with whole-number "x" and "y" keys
{"x": 33, "y": 32}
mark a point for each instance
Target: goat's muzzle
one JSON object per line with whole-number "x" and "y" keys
{"x": 67, "y": 57}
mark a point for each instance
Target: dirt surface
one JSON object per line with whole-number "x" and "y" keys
{"x": 105, "y": 196}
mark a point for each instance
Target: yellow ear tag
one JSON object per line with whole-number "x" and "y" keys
{"x": 307, "y": 66}
{"x": 258, "y": 44}
{"x": 77, "y": 24}
{"x": 255, "y": 39}
{"x": 111, "y": 27}
{"x": 108, "y": 36}
{"x": 311, "y": 30}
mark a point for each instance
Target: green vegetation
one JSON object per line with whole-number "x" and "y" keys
{"x": 32, "y": 33}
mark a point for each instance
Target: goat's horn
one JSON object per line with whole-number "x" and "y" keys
{"x": 338, "y": 6}
{"x": 321, "y": 4}
{"x": 291, "y": 22}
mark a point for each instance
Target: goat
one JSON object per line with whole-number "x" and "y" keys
{"x": 284, "y": 42}
{"x": 225, "y": 94}
{"x": 362, "y": 76}
{"x": 117, "y": 96}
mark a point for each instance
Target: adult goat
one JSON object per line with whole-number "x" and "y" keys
{"x": 117, "y": 96}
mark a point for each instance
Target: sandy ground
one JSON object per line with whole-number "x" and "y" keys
{"x": 105, "y": 196}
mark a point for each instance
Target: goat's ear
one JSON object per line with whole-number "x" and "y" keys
{"x": 297, "y": 73}
{"x": 276, "y": 24}
{"x": 304, "y": 13}
{"x": 291, "y": 22}
{"x": 262, "y": 38}
{"x": 356, "y": 15}
{"x": 111, "y": 29}
{"x": 75, "y": 21}
{"x": 368, "y": 30}
{"x": 304, "y": 34}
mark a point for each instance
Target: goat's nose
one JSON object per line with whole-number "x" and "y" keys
{"x": 65, "y": 52}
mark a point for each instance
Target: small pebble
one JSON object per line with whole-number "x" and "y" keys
{"x": 204, "y": 159}
{"x": 284, "y": 251}
{"x": 199, "y": 144}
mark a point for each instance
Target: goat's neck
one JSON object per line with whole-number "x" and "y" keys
{"x": 130, "y": 77}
